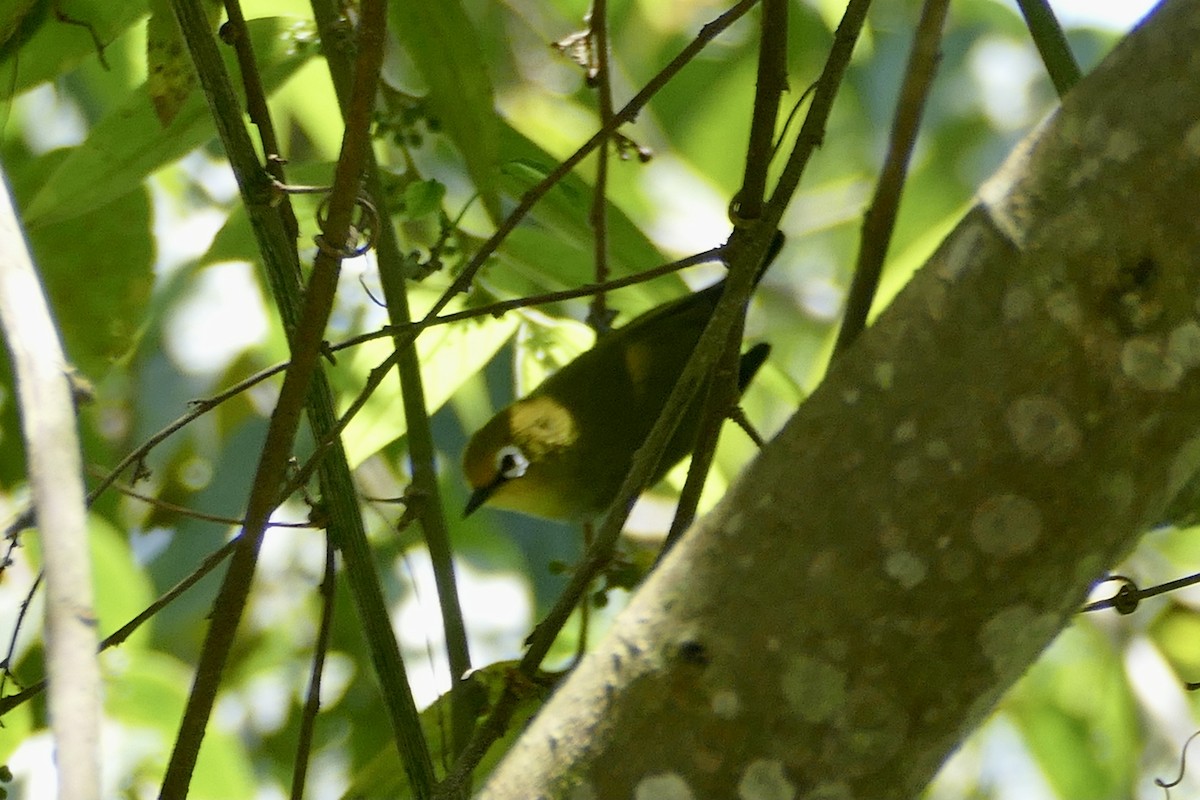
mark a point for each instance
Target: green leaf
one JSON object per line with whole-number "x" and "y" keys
{"x": 18, "y": 20}
{"x": 99, "y": 278}
{"x": 1084, "y": 747}
{"x": 446, "y": 49}
{"x": 122, "y": 590}
{"x": 383, "y": 777}
{"x": 39, "y": 46}
{"x": 553, "y": 249}
{"x": 171, "y": 77}
{"x": 422, "y": 198}
{"x": 130, "y": 144}
{"x": 1176, "y": 632}
{"x": 146, "y": 692}
{"x": 17, "y": 727}
{"x": 449, "y": 355}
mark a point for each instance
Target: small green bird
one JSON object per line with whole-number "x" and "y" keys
{"x": 563, "y": 451}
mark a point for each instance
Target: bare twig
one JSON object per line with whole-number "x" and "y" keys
{"x": 630, "y": 110}
{"x": 312, "y": 702}
{"x": 746, "y": 207}
{"x": 235, "y": 33}
{"x": 1052, "y": 44}
{"x": 18, "y": 623}
{"x": 880, "y": 218}
{"x": 771, "y": 81}
{"x": 599, "y": 317}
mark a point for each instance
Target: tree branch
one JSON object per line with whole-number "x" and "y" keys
{"x": 56, "y": 476}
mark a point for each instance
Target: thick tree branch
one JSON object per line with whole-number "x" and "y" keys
{"x": 938, "y": 508}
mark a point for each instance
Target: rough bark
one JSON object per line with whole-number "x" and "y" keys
{"x": 935, "y": 513}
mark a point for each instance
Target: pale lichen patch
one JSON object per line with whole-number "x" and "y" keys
{"x": 1183, "y": 345}
{"x": 905, "y": 568}
{"x": 664, "y": 786}
{"x": 885, "y": 375}
{"x": 765, "y": 780}
{"x": 1007, "y": 638}
{"x": 1191, "y": 140}
{"x": 1145, "y": 362}
{"x": 815, "y": 689}
{"x": 581, "y": 791}
{"x": 956, "y": 565}
{"x": 1184, "y": 466}
{"x": 1006, "y": 525}
{"x": 908, "y": 470}
{"x": 839, "y": 790}
{"x": 1017, "y": 304}
{"x": 1121, "y": 145}
{"x": 937, "y": 449}
{"x": 906, "y": 431}
{"x": 725, "y": 704}
{"x": 1063, "y": 307}
{"x": 1042, "y": 428}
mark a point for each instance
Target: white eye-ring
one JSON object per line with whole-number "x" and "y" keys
{"x": 511, "y": 462}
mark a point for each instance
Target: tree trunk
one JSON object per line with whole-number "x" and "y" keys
{"x": 936, "y": 511}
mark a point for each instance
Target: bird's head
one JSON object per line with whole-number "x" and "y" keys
{"x": 525, "y": 459}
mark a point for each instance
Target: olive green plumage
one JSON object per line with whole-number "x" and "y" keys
{"x": 563, "y": 451}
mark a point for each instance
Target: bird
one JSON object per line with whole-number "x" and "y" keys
{"x": 563, "y": 451}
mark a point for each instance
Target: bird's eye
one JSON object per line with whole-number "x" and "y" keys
{"x": 511, "y": 462}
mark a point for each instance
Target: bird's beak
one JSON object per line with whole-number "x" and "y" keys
{"x": 478, "y": 498}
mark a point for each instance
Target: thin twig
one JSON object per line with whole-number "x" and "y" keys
{"x": 598, "y": 556}
{"x": 50, "y": 434}
{"x": 746, "y": 248}
{"x": 497, "y": 309}
{"x": 721, "y": 394}
{"x": 599, "y": 317}
{"x": 18, "y": 623}
{"x": 235, "y": 33}
{"x": 1130, "y": 595}
{"x": 1166, "y": 786}
{"x": 720, "y": 397}
{"x": 769, "y": 86}
{"x": 312, "y": 702}
{"x": 812, "y": 132}
{"x": 1051, "y": 44}
{"x": 880, "y": 219}
{"x": 379, "y": 373}
{"x": 191, "y": 513}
